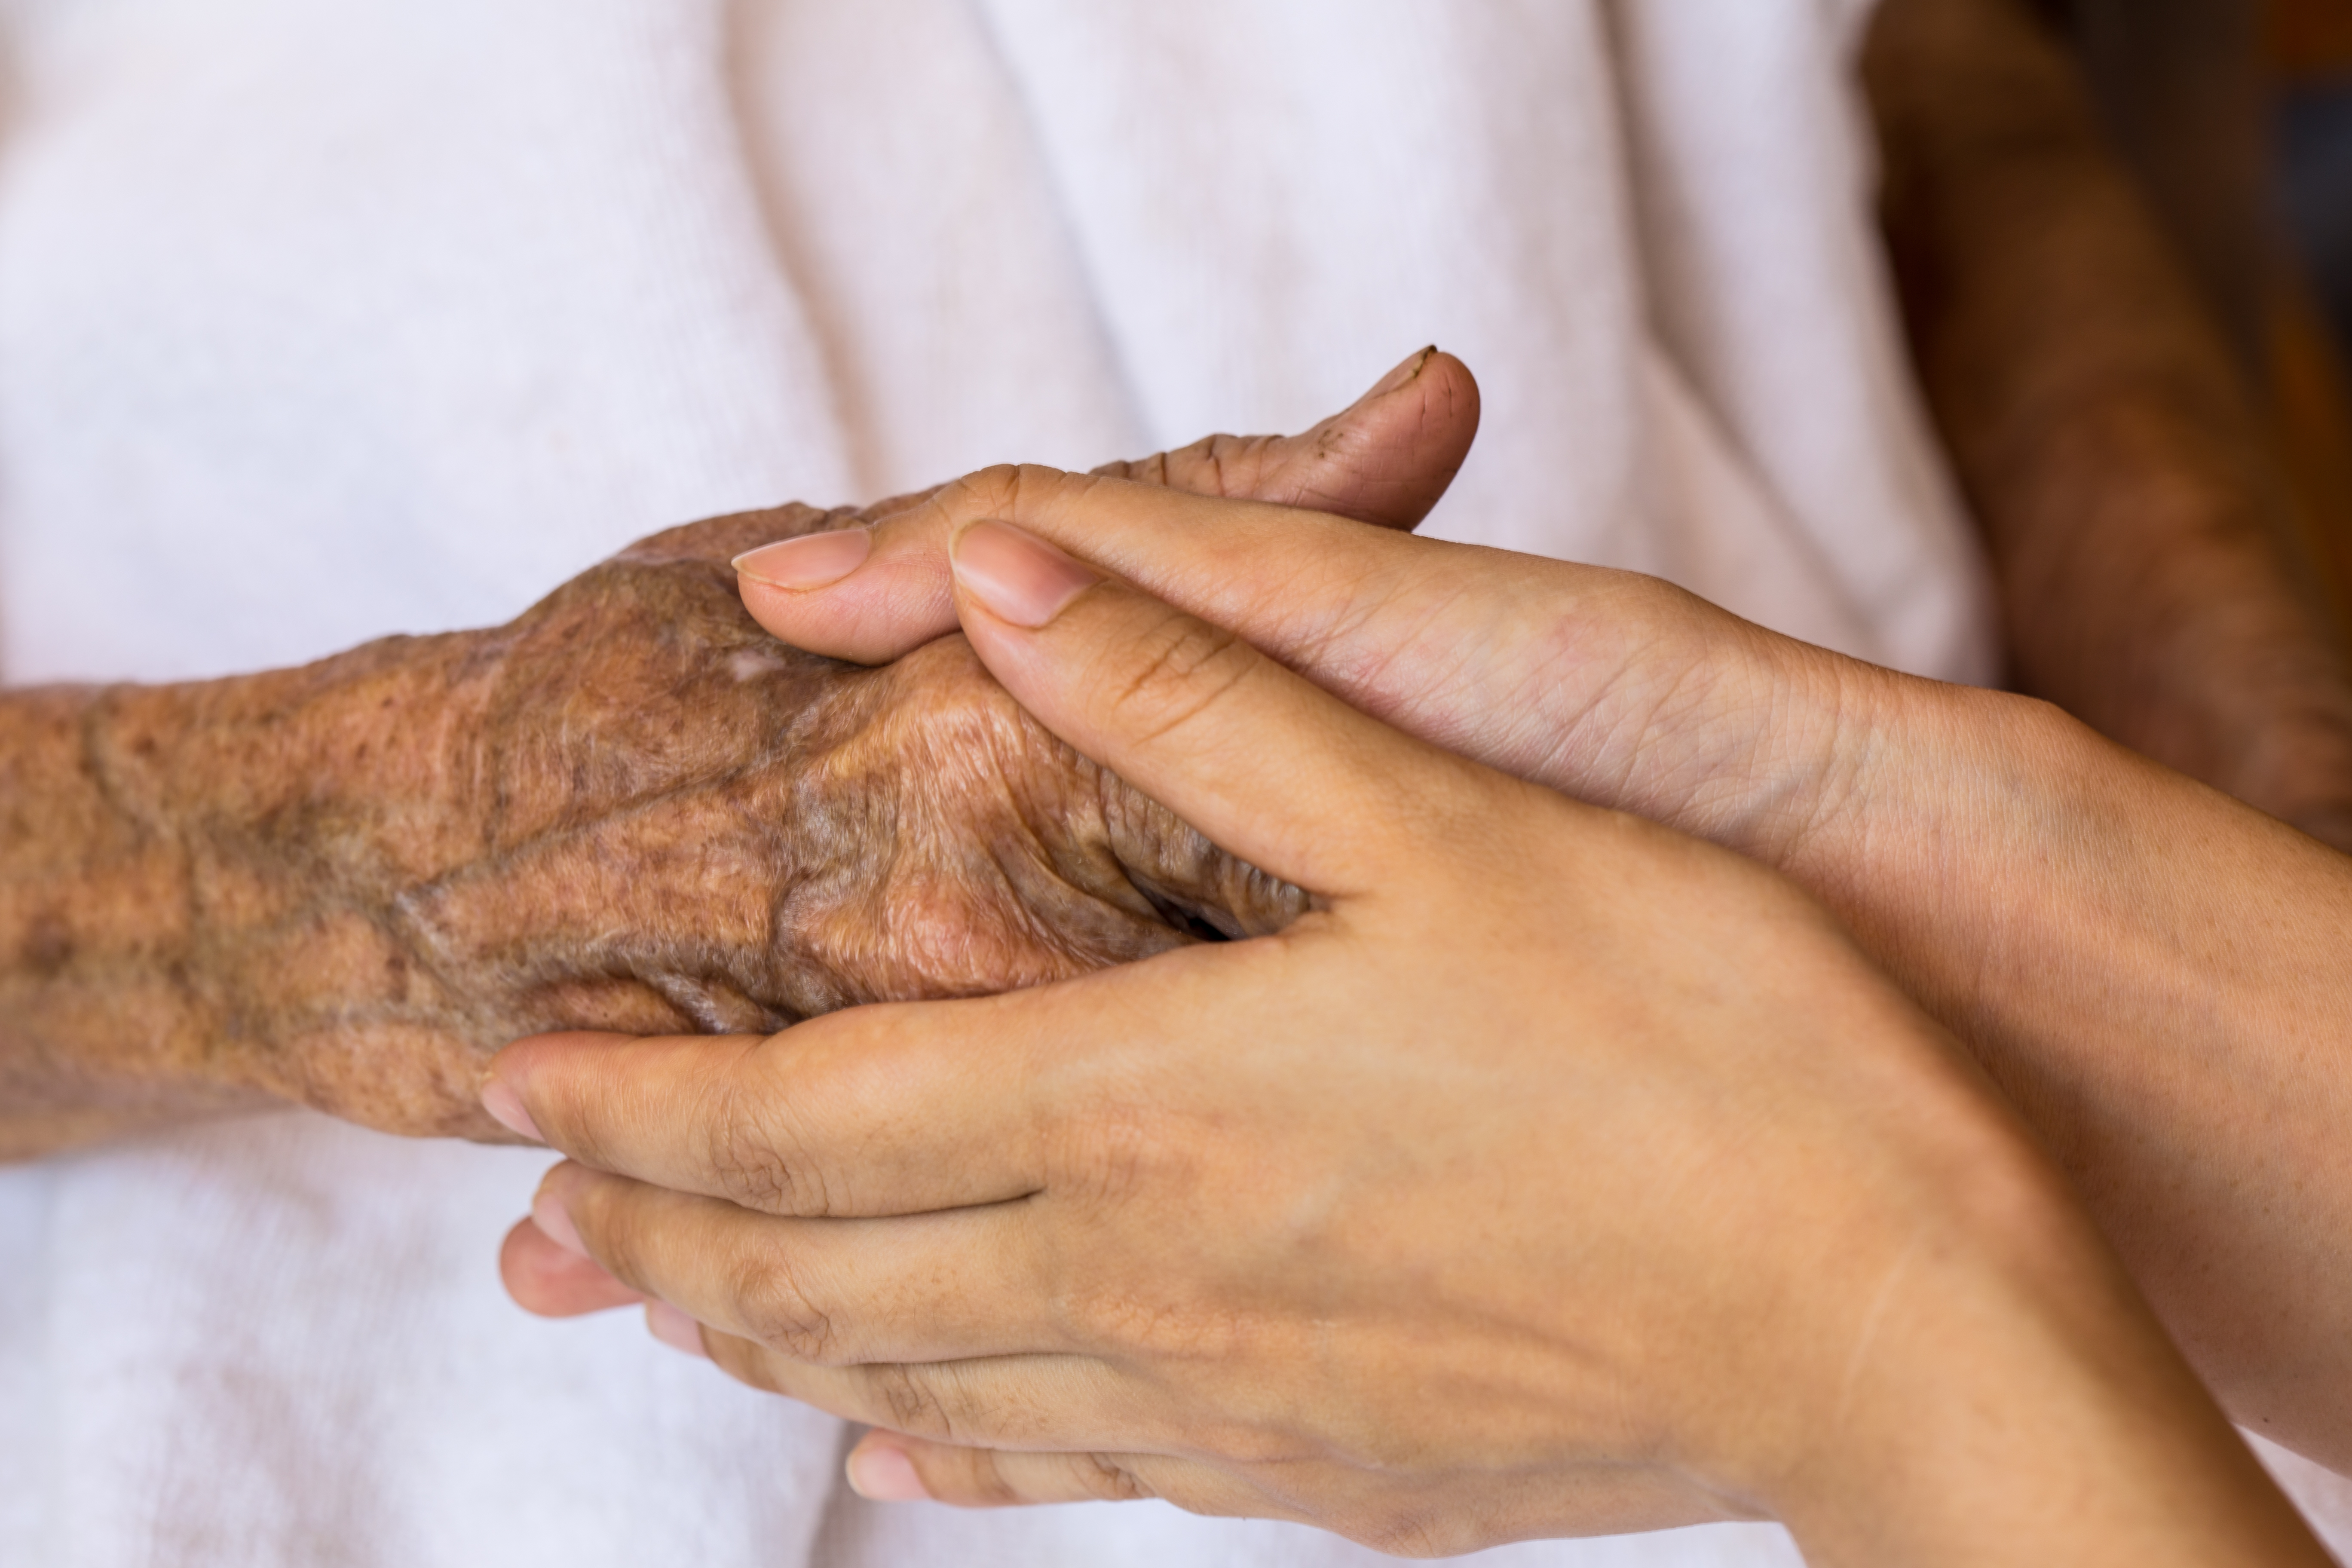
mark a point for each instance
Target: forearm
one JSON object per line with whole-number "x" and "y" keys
{"x": 100, "y": 1025}
{"x": 2155, "y": 977}
{"x": 630, "y": 809}
{"x": 2012, "y": 1402}
{"x": 192, "y": 879}
{"x": 2138, "y": 523}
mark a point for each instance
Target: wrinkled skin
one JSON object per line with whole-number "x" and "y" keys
{"x": 665, "y": 820}
{"x": 630, "y": 809}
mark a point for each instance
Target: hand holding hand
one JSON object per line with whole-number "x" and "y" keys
{"x": 629, "y": 808}
{"x": 2153, "y": 974}
{"x": 1556, "y": 1174}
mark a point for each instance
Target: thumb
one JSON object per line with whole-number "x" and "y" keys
{"x": 1385, "y": 460}
{"x": 873, "y": 592}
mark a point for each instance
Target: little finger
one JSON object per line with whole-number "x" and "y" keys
{"x": 889, "y": 1466}
{"x": 1060, "y": 1402}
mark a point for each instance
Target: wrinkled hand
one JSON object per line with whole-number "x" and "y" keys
{"x": 631, "y": 809}
{"x": 1556, "y": 1174}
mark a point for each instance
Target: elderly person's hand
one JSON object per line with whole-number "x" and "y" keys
{"x": 1556, "y": 1174}
{"x": 345, "y": 885}
{"x": 2154, "y": 975}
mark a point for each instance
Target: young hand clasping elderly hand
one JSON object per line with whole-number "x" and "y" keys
{"x": 1556, "y": 1174}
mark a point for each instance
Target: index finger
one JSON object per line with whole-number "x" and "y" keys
{"x": 876, "y": 1110}
{"x": 1266, "y": 765}
{"x": 896, "y": 1109}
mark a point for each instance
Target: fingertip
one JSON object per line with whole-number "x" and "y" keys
{"x": 798, "y": 618}
{"x": 515, "y": 1060}
{"x": 1450, "y": 393}
{"x": 881, "y": 1471}
{"x": 896, "y": 603}
{"x": 507, "y": 1108}
{"x": 1016, "y": 576}
{"x": 1407, "y": 372}
{"x": 675, "y": 1328}
{"x": 518, "y": 1257}
{"x": 1430, "y": 417}
{"x": 1390, "y": 457}
{"x": 808, "y": 563}
{"x": 547, "y": 1281}
{"x": 512, "y": 1084}
{"x": 553, "y": 1220}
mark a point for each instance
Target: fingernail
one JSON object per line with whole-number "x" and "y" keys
{"x": 675, "y": 1328}
{"x": 556, "y": 1225}
{"x": 812, "y": 561}
{"x": 506, "y": 1108}
{"x": 879, "y": 1473}
{"x": 1405, "y": 374}
{"x": 1019, "y": 576}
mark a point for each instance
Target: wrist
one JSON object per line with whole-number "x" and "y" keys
{"x": 298, "y": 805}
{"x": 2008, "y": 1398}
{"x": 1946, "y": 813}
{"x": 100, "y": 1029}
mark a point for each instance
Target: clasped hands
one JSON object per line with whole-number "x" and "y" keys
{"x": 1556, "y": 1172}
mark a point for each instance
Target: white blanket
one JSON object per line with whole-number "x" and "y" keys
{"x": 320, "y": 321}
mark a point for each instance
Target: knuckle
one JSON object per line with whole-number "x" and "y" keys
{"x": 1180, "y": 670}
{"x": 1104, "y": 1478}
{"x": 1202, "y": 465}
{"x": 909, "y": 1399}
{"x": 776, "y": 1311}
{"x": 1152, "y": 470}
{"x": 1099, "y": 1320}
{"x": 1109, "y": 1154}
{"x": 986, "y": 1481}
{"x": 1221, "y": 465}
{"x": 756, "y": 1165}
{"x": 1416, "y": 1533}
{"x": 984, "y": 491}
{"x": 1016, "y": 492}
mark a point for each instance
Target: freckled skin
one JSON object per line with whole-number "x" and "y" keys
{"x": 345, "y": 885}
{"x": 631, "y": 808}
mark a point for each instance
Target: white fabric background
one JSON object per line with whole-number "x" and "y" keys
{"x": 324, "y": 321}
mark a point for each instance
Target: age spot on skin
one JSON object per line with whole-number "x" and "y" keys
{"x": 48, "y": 946}
{"x": 754, "y": 664}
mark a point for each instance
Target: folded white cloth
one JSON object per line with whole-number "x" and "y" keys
{"x": 324, "y": 321}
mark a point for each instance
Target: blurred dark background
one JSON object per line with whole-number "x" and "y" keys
{"x": 2236, "y": 115}
{"x": 2307, "y": 50}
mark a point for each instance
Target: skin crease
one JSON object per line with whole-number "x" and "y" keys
{"x": 345, "y": 885}
{"x": 1582, "y": 1178}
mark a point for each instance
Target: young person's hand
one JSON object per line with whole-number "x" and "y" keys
{"x": 2154, "y": 973}
{"x": 1557, "y": 1173}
